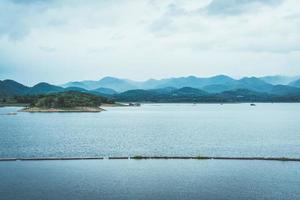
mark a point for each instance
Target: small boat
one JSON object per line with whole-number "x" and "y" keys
{"x": 10, "y": 113}
{"x": 134, "y": 104}
{"x": 252, "y": 104}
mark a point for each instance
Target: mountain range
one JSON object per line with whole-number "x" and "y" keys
{"x": 181, "y": 89}
{"x": 215, "y": 84}
{"x": 12, "y": 88}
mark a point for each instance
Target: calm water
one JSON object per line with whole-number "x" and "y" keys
{"x": 155, "y": 129}
{"x": 149, "y": 179}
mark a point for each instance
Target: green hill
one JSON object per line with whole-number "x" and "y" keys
{"x": 296, "y": 83}
{"x": 69, "y": 99}
{"x": 189, "y": 95}
{"x": 11, "y": 88}
{"x": 43, "y": 88}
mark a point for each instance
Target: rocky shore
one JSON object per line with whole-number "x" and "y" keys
{"x": 50, "y": 110}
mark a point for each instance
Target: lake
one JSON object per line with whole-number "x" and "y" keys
{"x": 155, "y": 130}
{"x": 149, "y": 179}
{"x": 152, "y": 130}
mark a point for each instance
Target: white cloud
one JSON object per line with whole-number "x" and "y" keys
{"x": 233, "y": 7}
{"x": 58, "y": 41}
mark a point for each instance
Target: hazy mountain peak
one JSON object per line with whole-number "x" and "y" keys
{"x": 191, "y": 77}
{"x": 295, "y": 83}
{"x": 44, "y": 88}
{"x": 222, "y": 76}
{"x": 249, "y": 78}
{"x": 110, "y": 78}
{"x": 104, "y": 90}
{"x": 10, "y": 81}
{"x": 41, "y": 84}
{"x": 10, "y": 87}
{"x": 13, "y": 83}
{"x": 253, "y": 79}
{"x": 279, "y": 79}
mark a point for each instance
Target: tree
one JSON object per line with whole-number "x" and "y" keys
{"x": 61, "y": 102}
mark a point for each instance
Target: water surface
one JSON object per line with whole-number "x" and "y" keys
{"x": 149, "y": 179}
{"x": 155, "y": 129}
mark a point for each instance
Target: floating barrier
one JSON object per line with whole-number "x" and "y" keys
{"x": 154, "y": 158}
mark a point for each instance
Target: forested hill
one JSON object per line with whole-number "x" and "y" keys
{"x": 64, "y": 100}
{"x": 192, "y": 95}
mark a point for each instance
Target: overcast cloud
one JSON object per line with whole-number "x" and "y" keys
{"x": 62, "y": 40}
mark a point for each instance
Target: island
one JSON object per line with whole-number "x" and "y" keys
{"x": 70, "y": 101}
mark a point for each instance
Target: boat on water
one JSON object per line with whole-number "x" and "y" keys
{"x": 10, "y": 113}
{"x": 252, "y": 104}
{"x": 134, "y": 104}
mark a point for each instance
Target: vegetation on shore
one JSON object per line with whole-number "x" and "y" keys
{"x": 74, "y": 109}
{"x": 63, "y": 102}
{"x": 70, "y": 100}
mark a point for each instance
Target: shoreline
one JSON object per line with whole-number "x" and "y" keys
{"x": 282, "y": 159}
{"x": 117, "y": 104}
{"x": 61, "y": 110}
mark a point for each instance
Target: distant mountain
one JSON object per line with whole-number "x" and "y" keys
{"x": 11, "y": 88}
{"x": 249, "y": 83}
{"x": 254, "y": 84}
{"x": 75, "y": 89}
{"x": 279, "y": 80}
{"x": 138, "y": 96}
{"x": 295, "y": 83}
{"x": 283, "y": 90}
{"x": 190, "y": 92}
{"x": 218, "y": 88}
{"x": 192, "y": 95}
{"x": 151, "y": 84}
{"x": 190, "y": 81}
{"x": 43, "y": 88}
{"x": 182, "y": 89}
{"x": 242, "y": 95}
{"x": 103, "y": 90}
{"x": 164, "y": 90}
{"x": 213, "y": 84}
{"x": 76, "y": 84}
{"x": 119, "y": 85}
{"x": 195, "y": 82}
{"x": 185, "y": 94}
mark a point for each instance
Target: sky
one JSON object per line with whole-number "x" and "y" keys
{"x": 65, "y": 40}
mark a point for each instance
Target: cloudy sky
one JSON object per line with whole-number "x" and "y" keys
{"x": 62, "y": 40}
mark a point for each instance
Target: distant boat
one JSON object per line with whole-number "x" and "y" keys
{"x": 252, "y": 104}
{"x": 10, "y": 113}
{"x": 134, "y": 104}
